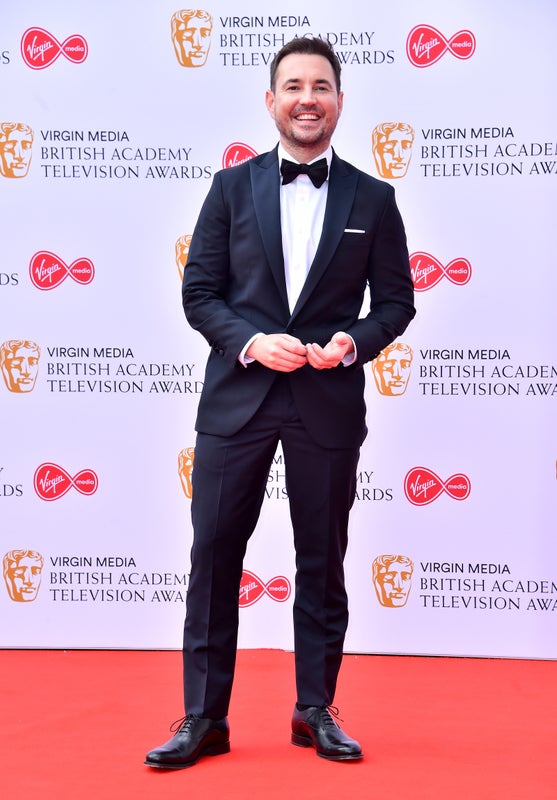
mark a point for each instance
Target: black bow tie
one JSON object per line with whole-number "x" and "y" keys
{"x": 317, "y": 171}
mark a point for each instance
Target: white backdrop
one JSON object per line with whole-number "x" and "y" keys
{"x": 112, "y": 150}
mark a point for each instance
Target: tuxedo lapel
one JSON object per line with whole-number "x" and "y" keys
{"x": 340, "y": 198}
{"x": 265, "y": 183}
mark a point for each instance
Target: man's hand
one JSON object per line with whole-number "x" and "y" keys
{"x": 278, "y": 351}
{"x": 332, "y": 354}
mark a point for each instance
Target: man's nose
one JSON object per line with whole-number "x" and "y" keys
{"x": 307, "y": 97}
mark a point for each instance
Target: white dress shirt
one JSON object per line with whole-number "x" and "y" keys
{"x": 302, "y": 211}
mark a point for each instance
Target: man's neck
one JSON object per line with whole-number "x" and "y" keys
{"x": 304, "y": 155}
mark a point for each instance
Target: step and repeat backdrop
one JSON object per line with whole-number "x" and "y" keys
{"x": 113, "y": 121}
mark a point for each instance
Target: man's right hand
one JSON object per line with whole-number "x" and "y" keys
{"x": 278, "y": 351}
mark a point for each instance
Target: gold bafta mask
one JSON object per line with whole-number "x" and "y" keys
{"x": 182, "y": 248}
{"x": 19, "y": 362}
{"x": 22, "y": 574}
{"x": 391, "y": 369}
{"x": 185, "y": 466}
{"x": 392, "y": 578}
{"x": 392, "y": 148}
{"x": 16, "y": 149}
{"x": 191, "y": 36}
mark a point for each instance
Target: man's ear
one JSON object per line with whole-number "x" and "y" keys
{"x": 270, "y": 102}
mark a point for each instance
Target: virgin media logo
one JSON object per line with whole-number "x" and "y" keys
{"x": 40, "y": 49}
{"x": 427, "y": 271}
{"x": 47, "y": 271}
{"x": 422, "y": 486}
{"x": 252, "y": 589}
{"x": 425, "y": 45}
{"x": 52, "y": 482}
{"x": 237, "y": 153}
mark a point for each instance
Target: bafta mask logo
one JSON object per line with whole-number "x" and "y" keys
{"x": 16, "y": 149}
{"x": 392, "y": 148}
{"x": 392, "y": 578}
{"x": 22, "y": 574}
{"x": 191, "y": 36}
{"x": 19, "y": 362}
{"x": 182, "y": 249}
{"x": 391, "y": 369}
{"x": 185, "y": 467}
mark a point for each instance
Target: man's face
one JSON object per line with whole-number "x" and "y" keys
{"x": 193, "y": 40}
{"x": 393, "y": 584}
{"x": 393, "y": 372}
{"x": 15, "y": 154}
{"x": 394, "y": 152}
{"x": 24, "y": 579}
{"x": 305, "y": 103}
{"x": 20, "y": 370}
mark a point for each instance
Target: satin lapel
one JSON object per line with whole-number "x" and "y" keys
{"x": 340, "y": 198}
{"x": 266, "y": 200}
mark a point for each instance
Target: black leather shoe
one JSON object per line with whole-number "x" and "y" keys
{"x": 195, "y": 737}
{"x": 315, "y": 727}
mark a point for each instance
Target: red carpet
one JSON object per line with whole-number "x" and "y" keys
{"x": 76, "y": 724}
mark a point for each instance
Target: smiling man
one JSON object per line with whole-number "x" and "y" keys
{"x": 280, "y": 259}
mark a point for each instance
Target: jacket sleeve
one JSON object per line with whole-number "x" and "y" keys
{"x": 206, "y": 279}
{"x": 390, "y": 286}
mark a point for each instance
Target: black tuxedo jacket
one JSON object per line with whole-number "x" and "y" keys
{"x": 234, "y": 287}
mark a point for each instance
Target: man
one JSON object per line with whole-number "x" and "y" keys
{"x": 275, "y": 281}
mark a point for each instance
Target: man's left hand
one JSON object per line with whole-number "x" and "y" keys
{"x": 332, "y": 354}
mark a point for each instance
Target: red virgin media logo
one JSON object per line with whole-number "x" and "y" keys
{"x": 52, "y": 482}
{"x": 236, "y": 153}
{"x": 425, "y": 45}
{"x": 422, "y": 486}
{"x": 252, "y": 589}
{"x": 40, "y": 49}
{"x": 47, "y": 271}
{"x": 427, "y": 271}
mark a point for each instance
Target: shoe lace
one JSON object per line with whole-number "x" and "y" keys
{"x": 183, "y": 724}
{"x": 333, "y": 712}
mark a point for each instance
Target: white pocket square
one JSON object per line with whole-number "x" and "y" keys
{"x": 353, "y": 230}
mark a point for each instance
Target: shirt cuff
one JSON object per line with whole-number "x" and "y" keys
{"x": 350, "y": 358}
{"x": 243, "y": 358}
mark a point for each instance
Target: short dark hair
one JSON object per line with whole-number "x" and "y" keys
{"x": 311, "y": 46}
